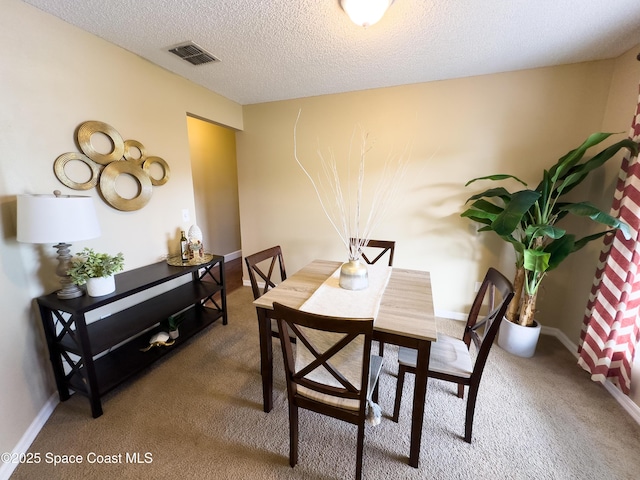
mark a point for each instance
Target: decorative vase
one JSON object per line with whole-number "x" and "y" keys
{"x": 99, "y": 286}
{"x": 196, "y": 250}
{"x": 518, "y": 340}
{"x": 354, "y": 275}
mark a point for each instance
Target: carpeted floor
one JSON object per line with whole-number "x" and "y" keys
{"x": 198, "y": 414}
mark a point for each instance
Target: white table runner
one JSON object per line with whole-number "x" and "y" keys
{"x": 332, "y": 300}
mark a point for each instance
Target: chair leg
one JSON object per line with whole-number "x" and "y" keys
{"x": 460, "y": 390}
{"x": 360, "y": 451}
{"x": 293, "y": 435}
{"x": 399, "y": 386}
{"x": 381, "y": 349}
{"x": 471, "y": 407}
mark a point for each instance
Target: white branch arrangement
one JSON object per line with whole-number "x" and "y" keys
{"x": 342, "y": 209}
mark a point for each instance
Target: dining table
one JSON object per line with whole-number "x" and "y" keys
{"x": 405, "y": 317}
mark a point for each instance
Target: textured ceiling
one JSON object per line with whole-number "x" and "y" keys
{"x": 282, "y": 49}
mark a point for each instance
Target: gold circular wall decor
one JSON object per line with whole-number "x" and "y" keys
{"x": 87, "y": 129}
{"x": 61, "y": 162}
{"x": 165, "y": 169}
{"x": 128, "y": 145}
{"x": 108, "y": 186}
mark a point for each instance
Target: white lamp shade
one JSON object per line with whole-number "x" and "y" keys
{"x": 365, "y": 12}
{"x": 56, "y": 219}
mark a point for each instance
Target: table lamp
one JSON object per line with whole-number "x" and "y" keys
{"x": 58, "y": 219}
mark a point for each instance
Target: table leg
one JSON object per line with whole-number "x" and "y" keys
{"x": 266, "y": 359}
{"x": 419, "y": 397}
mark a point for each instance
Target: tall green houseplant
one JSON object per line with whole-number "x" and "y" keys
{"x": 527, "y": 219}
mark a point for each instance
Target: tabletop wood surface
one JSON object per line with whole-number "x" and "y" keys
{"x": 406, "y": 307}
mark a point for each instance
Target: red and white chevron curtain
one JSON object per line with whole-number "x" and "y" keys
{"x": 611, "y": 329}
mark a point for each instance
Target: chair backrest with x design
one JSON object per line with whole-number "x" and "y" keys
{"x": 332, "y": 371}
{"x": 482, "y": 330}
{"x": 374, "y": 250}
{"x": 265, "y": 266}
{"x": 331, "y": 358}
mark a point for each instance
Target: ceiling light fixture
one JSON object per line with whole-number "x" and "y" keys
{"x": 365, "y": 12}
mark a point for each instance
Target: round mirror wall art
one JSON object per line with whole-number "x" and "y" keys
{"x": 129, "y": 145}
{"x": 126, "y": 157}
{"x": 108, "y": 186}
{"x": 61, "y": 162}
{"x": 87, "y": 129}
{"x": 146, "y": 166}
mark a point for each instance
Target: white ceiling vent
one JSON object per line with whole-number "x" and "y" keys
{"x": 192, "y": 53}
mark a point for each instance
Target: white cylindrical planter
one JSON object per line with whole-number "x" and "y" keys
{"x": 96, "y": 287}
{"x": 518, "y": 340}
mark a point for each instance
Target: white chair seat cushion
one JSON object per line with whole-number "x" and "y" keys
{"x": 449, "y": 355}
{"x": 375, "y": 367}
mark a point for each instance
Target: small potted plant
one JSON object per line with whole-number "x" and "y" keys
{"x": 96, "y": 270}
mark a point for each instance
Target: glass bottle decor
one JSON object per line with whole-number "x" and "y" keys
{"x": 184, "y": 247}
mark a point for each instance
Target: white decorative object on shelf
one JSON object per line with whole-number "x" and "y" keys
{"x": 196, "y": 249}
{"x": 194, "y": 233}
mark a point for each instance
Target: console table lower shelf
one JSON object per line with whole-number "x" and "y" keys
{"x": 128, "y": 360}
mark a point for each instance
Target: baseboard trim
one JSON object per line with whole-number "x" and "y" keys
{"x": 6, "y": 469}
{"x": 233, "y": 255}
{"x": 451, "y": 315}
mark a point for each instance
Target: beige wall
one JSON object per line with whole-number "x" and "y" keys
{"x": 215, "y": 184}
{"x": 52, "y": 78}
{"x": 518, "y": 122}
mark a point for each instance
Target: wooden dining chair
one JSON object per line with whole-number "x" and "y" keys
{"x": 266, "y": 267}
{"x": 372, "y": 252}
{"x": 450, "y": 358}
{"x": 332, "y": 371}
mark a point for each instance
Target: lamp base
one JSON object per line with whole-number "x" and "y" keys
{"x": 69, "y": 289}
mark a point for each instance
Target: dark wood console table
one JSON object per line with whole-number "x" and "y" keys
{"x": 93, "y": 358}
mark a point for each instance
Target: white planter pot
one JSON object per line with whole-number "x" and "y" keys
{"x": 518, "y": 340}
{"x": 96, "y": 287}
{"x": 173, "y": 334}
